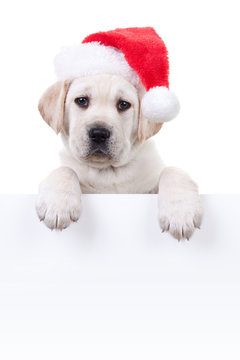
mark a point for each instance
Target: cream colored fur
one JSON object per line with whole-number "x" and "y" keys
{"x": 133, "y": 167}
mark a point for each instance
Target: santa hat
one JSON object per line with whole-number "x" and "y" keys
{"x": 137, "y": 54}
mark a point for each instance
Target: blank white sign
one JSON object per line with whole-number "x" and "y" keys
{"x": 114, "y": 287}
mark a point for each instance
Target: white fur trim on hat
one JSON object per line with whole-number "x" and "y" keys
{"x": 91, "y": 59}
{"x": 159, "y": 104}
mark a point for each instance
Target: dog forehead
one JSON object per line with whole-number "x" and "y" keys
{"x": 103, "y": 84}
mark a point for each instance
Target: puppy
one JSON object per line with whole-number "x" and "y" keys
{"x": 107, "y": 149}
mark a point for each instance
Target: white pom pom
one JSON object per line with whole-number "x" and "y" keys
{"x": 159, "y": 105}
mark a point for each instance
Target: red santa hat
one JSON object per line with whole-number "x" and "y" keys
{"x": 137, "y": 54}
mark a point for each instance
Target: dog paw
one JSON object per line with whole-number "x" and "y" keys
{"x": 58, "y": 209}
{"x": 180, "y": 218}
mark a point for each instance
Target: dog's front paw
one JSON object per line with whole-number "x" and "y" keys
{"x": 58, "y": 209}
{"x": 180, "y": 217}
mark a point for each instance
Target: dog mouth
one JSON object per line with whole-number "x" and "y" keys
{"x": 99, "y": 153}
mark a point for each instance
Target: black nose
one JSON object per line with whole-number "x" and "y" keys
{"x": 99, "y": 134}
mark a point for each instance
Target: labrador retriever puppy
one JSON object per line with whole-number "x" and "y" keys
{"x": 107, "y": 149}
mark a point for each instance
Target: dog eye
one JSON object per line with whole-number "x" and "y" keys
{"x": 82, "y": 101}
{"x": 123, "y": 105}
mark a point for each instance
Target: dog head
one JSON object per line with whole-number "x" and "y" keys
{"x": 99, "y": 117}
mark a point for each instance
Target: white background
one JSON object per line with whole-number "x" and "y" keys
{"x": 113, "y": 287}
{"x": 203, "y": 42}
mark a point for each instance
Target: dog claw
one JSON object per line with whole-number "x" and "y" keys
{"x": 195, "y": 225}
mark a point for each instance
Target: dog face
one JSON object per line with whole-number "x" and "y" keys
{"x": 99, "y": 116}
{"x": 101, "y": 113}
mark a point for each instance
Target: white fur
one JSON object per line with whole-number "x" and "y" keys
{"x": 134, "y": 167}
{"x": 159, "y": 105}
{"x": 180, "y": 209}
{"x": 59, "y": 200}
{"x": 138, "y": 176}
{"x": 92, "y": 59}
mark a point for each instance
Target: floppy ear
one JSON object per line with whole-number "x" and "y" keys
{"x": 51, "y": 104}
{"x": 146, "y": 128}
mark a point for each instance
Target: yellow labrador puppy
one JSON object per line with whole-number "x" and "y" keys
{"x": 107, "y": 150}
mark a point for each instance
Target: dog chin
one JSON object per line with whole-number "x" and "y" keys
{"x": 98, "y": 156}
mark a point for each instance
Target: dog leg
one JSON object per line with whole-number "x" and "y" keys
{"x": 59, "y": 199}
{"x": 180, "y": 209}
